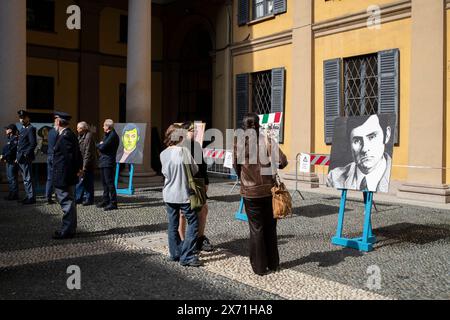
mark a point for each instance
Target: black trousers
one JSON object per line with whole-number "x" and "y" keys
{"x": 109, "y": 189}
{"x": 263, "y": 235}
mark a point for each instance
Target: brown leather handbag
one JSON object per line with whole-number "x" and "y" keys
{"x": 281, "y": 200}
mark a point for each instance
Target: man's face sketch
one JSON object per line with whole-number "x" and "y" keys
{"x": 368, "y": 144}
{"x": 130, "y": 140}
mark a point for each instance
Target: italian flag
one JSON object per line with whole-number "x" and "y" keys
{"x": 272, "y": 118}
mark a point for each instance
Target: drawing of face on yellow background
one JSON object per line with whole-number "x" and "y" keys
{"x": 130, "y": 140}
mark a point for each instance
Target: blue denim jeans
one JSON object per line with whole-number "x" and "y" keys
{"x": 182, "y": 250}
{"x": 11, "y": 174}
{"x": 85, "y": 188}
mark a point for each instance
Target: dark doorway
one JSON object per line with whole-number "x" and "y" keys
{"x": 195, "y": 102}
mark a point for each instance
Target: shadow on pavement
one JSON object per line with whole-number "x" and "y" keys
{"x": 240, "y": 247}
{"x": 325, "y": 259}
{"x": 412, "y": 233}
{"x": 317, "y": 211}
{"x": 123, "y": 231}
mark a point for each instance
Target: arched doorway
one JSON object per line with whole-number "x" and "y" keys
{"x": 195, "y": 81}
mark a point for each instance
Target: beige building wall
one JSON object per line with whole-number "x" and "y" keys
{"x": 110, "y": 32}
{"x": 110, "y": 80}
{"x": 326, "y": 9}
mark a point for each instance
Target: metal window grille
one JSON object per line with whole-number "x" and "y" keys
{"x": 261, "y": 92}
{"x": 361, "y": 85}
{"x": 262, "y": 8}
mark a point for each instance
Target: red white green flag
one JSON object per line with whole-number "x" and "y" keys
{"x": 271, "y": 124}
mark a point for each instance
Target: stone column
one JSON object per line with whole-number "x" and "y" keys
{"x": 426, "y": 126}
{"x": 302, "y": 93}
{"x": 13, "y": 55}
{"x": 13, "y": 64}
{"x": 139, "y": 73}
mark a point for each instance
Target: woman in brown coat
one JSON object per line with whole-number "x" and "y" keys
{"x": 256, "y": 159}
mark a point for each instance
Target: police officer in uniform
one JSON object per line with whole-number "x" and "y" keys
{"x": 67, "y": 163}
{"x": 49, "y": 189}
{"x": 25, "y": 155}
{"x": 8, "y": 155}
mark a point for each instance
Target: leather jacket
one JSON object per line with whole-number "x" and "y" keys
{"x": 256, "y": 174}
{"x": 88, "y": 151}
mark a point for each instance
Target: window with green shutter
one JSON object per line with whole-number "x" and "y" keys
{"x": 262, "y": 93}
{"x": 370, "y": 86}
{"x": 242, "y": 96}
{"x": 249, "y": 10}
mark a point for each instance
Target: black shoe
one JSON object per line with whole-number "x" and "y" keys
{"x": 11, "y": 198}
{"x": 195, "y": 264}
{"x": 79, "y": 201}
{"x": 102, "y": 204}
{"x": 87, "y": 204}
{"x": 265, "y": 273}
{"x": 29, "y": 201}
{"x": 60, "y": 236}
{"x": 111, "y": 207}
{"x": 50, "y": 202}
{"x": 205, "y": 245}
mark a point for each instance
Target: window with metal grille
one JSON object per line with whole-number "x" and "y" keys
{"x": 361, "y": 85}
{"x": 41, "y": 15}
{"x": 123, "y": 29}
{"x": 40, "y": 92}
{"x": 261, "y": 87}
{"x": 262, "y": 8}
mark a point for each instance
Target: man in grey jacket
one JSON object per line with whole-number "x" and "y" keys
{"x": 85, "y": 186}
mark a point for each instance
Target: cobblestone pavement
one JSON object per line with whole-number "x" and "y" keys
{"x": 123, "y": 254}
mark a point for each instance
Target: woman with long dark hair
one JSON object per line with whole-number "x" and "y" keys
{"x": 256, "y": 159}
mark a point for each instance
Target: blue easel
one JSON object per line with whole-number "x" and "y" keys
{"x": 130, "y": 190}
{"x": 368, "y": 239}
{"x": 240, "y": 214}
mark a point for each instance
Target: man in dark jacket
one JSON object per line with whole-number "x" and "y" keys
{"x": 107, "y": 161}
{"x": 8, "y": 155}
{"x": 49, "y": 188}
{"x": 25, "y": 155}
{"x": 67, "y": 163}
{"x": 85, "y": 186}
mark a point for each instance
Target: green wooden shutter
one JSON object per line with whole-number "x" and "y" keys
{"x": 277, "y": 103}
{"x": 279, "y": 6}
{"x": 388, "y": 73}
{"x": 243, "y": 12}
{"x": 242, "y": 81}
{"x": 332, "y": 95}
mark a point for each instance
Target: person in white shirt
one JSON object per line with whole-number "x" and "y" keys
{"x": 371, "y": 168}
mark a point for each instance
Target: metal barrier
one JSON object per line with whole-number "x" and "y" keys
{"x": 322, "y": 160}
{"x": 214, "y": 159}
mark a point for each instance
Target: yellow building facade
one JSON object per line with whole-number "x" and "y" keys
{"x": 310, "y": 33}
{"x": 215, "y": 60}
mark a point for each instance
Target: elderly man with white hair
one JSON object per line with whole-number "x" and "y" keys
{"x": 107, "y": 161}
{"x": 85, "y": 186}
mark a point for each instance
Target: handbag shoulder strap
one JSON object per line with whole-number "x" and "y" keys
{"x": 187, "y": 167}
